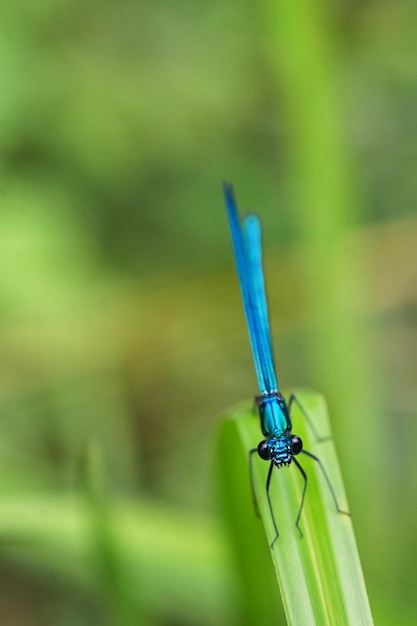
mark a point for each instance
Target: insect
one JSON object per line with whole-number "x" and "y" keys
{"x": 279, "y": 446}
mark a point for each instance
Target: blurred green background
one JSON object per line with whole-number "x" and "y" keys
{"x": 122, "y": 336}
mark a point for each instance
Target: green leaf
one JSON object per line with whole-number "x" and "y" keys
{"x": 122, "y": 608}
{"x": 174, "y": 565}
{"x": 319, "y": 576}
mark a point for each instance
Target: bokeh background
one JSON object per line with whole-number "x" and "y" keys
{"x": 121, "y": 330}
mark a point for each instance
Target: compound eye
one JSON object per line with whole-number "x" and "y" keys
{"x": 263, "y": 451}
{"x": 296, "y": 444}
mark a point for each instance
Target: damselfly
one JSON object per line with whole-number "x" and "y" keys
{"x": 280, "y": 445}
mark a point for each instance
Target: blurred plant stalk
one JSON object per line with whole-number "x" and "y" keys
{"x": 304, "y": 58}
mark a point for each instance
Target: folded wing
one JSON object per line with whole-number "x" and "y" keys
{"x": 247, "y": 248}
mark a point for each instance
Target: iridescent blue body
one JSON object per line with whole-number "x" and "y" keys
{"x": 280, "y": 446}
{"x": 273, "y": 411}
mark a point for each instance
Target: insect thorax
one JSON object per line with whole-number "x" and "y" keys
{"x": 273, "y": 414}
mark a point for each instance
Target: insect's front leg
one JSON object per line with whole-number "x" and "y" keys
{"x": 252, "y": 483}
{"x": 268, "y": 484}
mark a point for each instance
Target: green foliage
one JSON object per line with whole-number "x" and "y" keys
{"x": 120, "y": 319}
{"x": 132, "y": 560}
{"x": 319, "y": 576}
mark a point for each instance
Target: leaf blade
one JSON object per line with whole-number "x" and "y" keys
{"x": 319, "y": 576}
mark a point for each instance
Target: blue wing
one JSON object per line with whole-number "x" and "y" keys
{"x": 247, "y": 248}
{"x": 253, "y": 232}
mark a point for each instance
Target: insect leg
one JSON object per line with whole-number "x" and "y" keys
{"x": 304, "y": 475}
{"x": 268, "y": 484}
{"x": 315, "y": 458}
{"x": 252, "y": 484}
{"x": 293, "y": 399}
